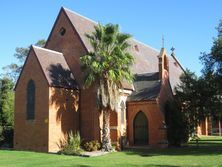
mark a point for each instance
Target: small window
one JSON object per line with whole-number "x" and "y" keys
{"x": 122, "y": 105}
{"x": 30, "y": 100}
{"x": 62, "y": 31}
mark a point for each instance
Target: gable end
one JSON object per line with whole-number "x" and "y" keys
{"x": 62, "y": 10}
{"x": 26, "y": 60}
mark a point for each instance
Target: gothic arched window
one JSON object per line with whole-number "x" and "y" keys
{"x": 30, "y": 108}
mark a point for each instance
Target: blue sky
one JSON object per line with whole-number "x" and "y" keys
{"x": 187, "y": 25}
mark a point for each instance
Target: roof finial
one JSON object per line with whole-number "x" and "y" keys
{"x": 162, "y": 41}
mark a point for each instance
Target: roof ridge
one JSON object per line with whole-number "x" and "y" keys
{"x": 73, "y": 12}
{"x": 135, "y": 40}
{"x": 45, "y": 49}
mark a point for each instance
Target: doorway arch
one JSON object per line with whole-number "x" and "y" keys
{"x": 140, "y": 129}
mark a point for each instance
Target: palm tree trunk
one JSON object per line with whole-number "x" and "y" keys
{"x": 106, "y": 141}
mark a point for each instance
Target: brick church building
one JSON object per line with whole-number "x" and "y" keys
{"x": 50, "y": 100}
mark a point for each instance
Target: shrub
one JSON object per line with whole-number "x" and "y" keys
{"x": 6, "y": 136}
{"x": 92, "y": 145}
{"x": 72, "y": 146}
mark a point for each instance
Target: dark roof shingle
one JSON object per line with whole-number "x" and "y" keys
{"x": 147, "y": 87}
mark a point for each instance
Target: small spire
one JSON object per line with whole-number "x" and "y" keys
{"x": 162, "y": 41}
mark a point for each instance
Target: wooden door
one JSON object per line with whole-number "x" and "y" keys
{"x": 141, "y": 129}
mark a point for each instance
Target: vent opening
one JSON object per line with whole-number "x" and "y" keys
{"x": 136, "y": 48}
{"x": 62, "y": 31}
{"x": 176, "y": 64}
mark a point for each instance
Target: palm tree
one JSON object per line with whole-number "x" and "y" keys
{"x": 107, "y": 66}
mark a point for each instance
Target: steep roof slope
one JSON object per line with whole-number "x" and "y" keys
{"x": 175, "y": 71}
{"x": 55, "y": 68}
{"x": 146, "y": 57}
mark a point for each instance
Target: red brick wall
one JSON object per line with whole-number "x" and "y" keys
{"x": 155, "y": 121}
{"x": 31, "y": 134}
{"x": 63, "y": 116}
{"x": 165, "y": 92}
{"x": 114, "y": 126}
{"x": 72, "y": 48}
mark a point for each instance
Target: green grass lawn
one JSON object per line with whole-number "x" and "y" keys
{"x": 209, "y": 155}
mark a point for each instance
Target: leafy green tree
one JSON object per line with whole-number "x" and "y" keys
{"x": 107, "y": 66}
{"x": 213, "y": 61}
{"x": 198, "y": 98}
{"x": 201, "y": 97}
{"x": 6, "y": 111}
{"x": 212, "y": 75}
{"x": 6, "y": 102}
{"x": 13, "y": 70}
{"x": 188, "y": 96}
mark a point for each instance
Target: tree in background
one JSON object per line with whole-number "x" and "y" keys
{"x": 213, "y": 61}
{"x": 199, "y": 97}
{"x": 194, "y": 101}
{"x": 13, "y": 70}
{"x": 183, "y": 113}
{"x": 212, "y": 74}
{"x": 7, "y": 82}
{"x": 6, "y": 110}
{"x": 107, "y": 66}
{"x": 188, "y": 97}
{"x": 6, "y": 102}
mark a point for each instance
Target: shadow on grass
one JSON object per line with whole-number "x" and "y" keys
{"x": 146, "y": 165}
{"x": 76, "y": 165}
{"x": 181, "y": 151}
{"x": 157, "y": 165}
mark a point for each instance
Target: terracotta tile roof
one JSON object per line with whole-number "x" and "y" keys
{"x": 147, "y": 87}
{"x": 55, "y": 68}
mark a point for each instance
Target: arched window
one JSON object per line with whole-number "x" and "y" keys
{"x": 122, "y": 106}
{"x": 30, "y": 100}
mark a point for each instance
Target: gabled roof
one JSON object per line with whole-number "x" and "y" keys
{"x": 146, "y": 57}
{"x": 55, "y": 68}
{"x": 147, "y": 87}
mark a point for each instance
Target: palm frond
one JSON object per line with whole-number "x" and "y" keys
{"x": 109, "y": 64}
